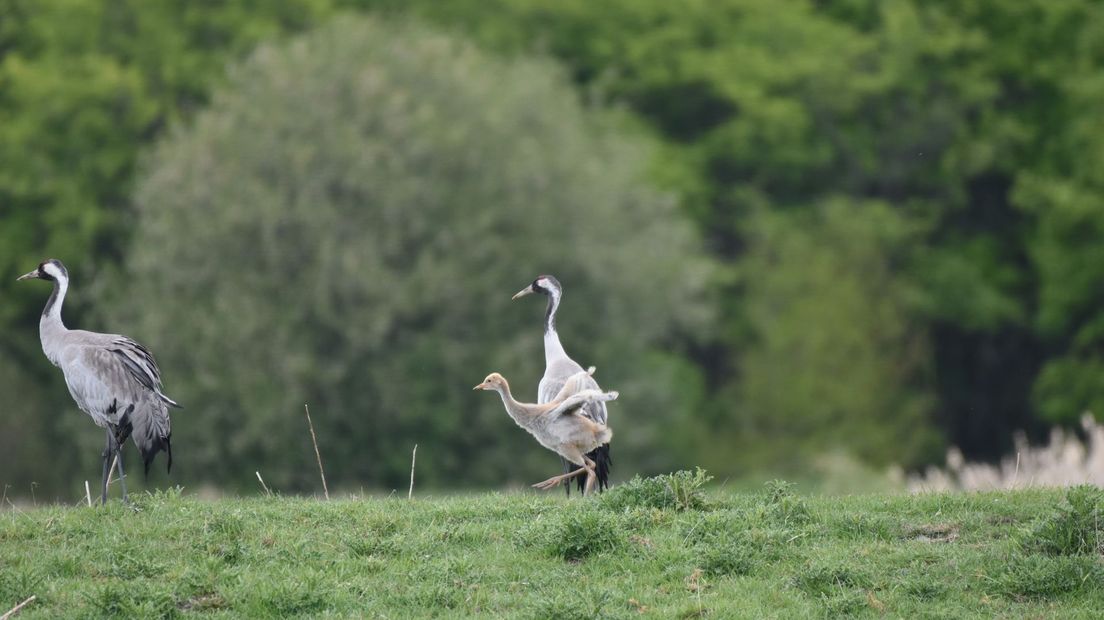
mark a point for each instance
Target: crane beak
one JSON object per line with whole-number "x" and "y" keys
{"x": 29, "y": 276}
{"x": 523, "y": 292}
{"x": 481, "y": 386}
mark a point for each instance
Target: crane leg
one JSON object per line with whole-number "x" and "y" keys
{"x": 107, "y": 453}
{"x": 553, "y": 481}
{"x": 567, "y": 467}
{"x": 591, "y": 477}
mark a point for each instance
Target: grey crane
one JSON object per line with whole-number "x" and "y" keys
{"x": 559, "y": 424}
{"x": 112, "y": 378}
{"x": 558, "y": 367}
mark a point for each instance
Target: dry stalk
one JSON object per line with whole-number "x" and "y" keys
{"x": 111, "y": 470}
{"x": 263, "y": 485}
{"x": 1016, "y": 475}
{"x": 317, "y": 455}
{"x": 413, "y": 458}
{"x": 15, "y": 610}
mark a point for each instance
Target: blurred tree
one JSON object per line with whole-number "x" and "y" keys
{"x": 345, "y": 226}
{"x": 833, "y": 359}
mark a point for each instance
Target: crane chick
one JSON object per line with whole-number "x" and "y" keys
{"x": 559, "y": 425}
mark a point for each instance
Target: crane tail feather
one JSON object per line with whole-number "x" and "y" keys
{"x": 602, "y": 465}
{"x": 149, "y": 449}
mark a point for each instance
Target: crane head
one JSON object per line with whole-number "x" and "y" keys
{"x": 50, "y": 269}
{"x": 494, "y": 381}
{"x": 545, "y": 285}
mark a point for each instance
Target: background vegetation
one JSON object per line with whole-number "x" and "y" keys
{"x": 886, "y": 239}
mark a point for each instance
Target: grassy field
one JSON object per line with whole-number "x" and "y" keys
{"x": 650, "y": 548}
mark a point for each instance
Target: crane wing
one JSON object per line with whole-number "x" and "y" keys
{"x": 556, "y": 375}
{"x": 578, "y": 401}
{"x": 139, "y": 362}
{"x": 114, "y": 388}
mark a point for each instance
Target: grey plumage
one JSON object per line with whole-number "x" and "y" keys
{"x": 559, "y": 367}
{"x": 112, "y": 378}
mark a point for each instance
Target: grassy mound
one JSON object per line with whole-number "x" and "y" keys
{"x": 658, "y": 547}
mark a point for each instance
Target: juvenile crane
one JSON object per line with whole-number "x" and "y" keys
{"x": 558, "y": 366}
{"x": 559, "y": 424}
{"x": 112, "y": 378}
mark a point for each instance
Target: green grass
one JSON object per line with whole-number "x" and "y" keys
{"x": 648, "y": 548}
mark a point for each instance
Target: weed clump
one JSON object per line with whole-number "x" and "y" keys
{"x": 585, "y": 533}
{"x": 132, "y": 601}
{"x": 288, "y": 599}
{"x": 828, "y": 581}
{"x": 372, "y": 547}
{"x": 784, "y": 506}
{"x": 843, "y": 592}
{"x": 18, "y": 585}
{"x": 1075, "y": 528}
{"x": 1039, "y": 576}
{"x": 681, "y": 490}
{"x": 732, "y": 558}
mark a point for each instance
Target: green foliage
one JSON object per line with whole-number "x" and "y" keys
{"x": 1075, "y": 527}
{"x": 354, "y": 247}
{"x": 681, "y": 490}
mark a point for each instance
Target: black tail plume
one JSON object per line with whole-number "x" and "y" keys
{"x": 602, "y": 465}
{"x": 149, "y": 449}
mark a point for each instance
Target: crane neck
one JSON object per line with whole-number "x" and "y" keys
{"x": 553, "y": 350}
{"x": 516, "y": 410}
{"x": 50, "y": 326}
{"x": 550, "y": 312}
{"x": 52, "y": 312}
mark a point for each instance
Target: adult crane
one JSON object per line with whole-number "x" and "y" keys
{"x": 558, "y": 368}
{"x": 112, "y": 378}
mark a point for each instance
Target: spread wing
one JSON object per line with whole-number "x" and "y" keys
{"x": 577, "y": 402}
{"x": 556, "y": 376}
